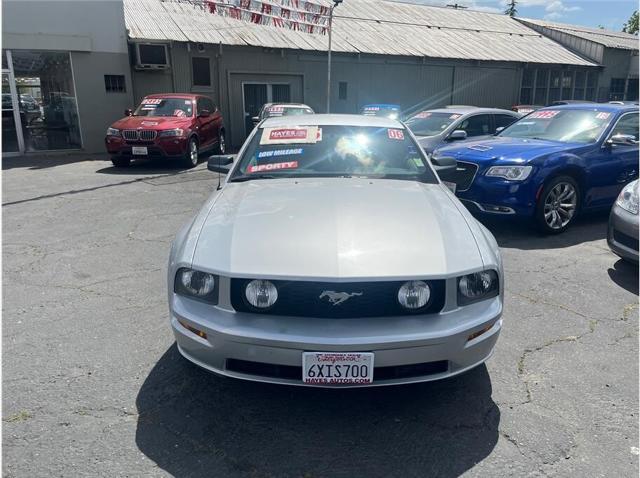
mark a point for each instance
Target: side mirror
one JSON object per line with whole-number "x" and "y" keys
{"x": 128, "y": 112}
{"x": 457, "y": 135}
{"x": 622, "y": 139}
{"x": 204, "y": 114}
{"x": 255, "y": 119}
{"x": 499, "y": 130}
{"x": 220, "y": 163}
{"x": 445, "y": 168}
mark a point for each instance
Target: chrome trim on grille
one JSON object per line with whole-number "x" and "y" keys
{"x": 139, "y": 135}
{"x": 473, "y": 178}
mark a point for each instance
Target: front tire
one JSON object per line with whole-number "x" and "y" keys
{"x": 191, "y": 157}
{"x": 558, "y": 205}
{"x": 121, "y": 162}
{"x": 221, "y": 148}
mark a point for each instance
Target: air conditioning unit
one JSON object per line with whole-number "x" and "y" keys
{"x": 151, "y": 56}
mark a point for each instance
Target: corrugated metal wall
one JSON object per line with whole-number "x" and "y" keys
{"x": 410, "y": 82}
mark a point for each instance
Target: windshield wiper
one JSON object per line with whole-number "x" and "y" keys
{"x": 249, "y": 177}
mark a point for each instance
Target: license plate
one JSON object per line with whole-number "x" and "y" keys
{"x": 349, "y": 368}
{"x": 451, "y": 186}
{"x": 139, "y": 150}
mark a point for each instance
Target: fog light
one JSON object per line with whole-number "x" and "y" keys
{"x": 414, "y": 294}
{"x": 261, "y": 294}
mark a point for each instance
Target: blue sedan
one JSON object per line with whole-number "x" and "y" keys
{"x": 551, "y": 164}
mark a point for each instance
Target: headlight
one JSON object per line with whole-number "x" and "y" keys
{"x": 477, "y": 286}
{"x": 196, "y": 284}
{"x": 113, "y": 132}
{"x": 513, "y": 173}
{"x": 261, "y": 294}
{"x": 414, "y": 294}
{"x": 171, "y": 132}
{"x": 628, "y": 198}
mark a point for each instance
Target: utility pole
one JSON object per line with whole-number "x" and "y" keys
{"x": 335, "y": 4}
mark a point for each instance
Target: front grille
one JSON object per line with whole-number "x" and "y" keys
{"x": 465, "y": 173}
{"x": 291, "y": 372}
{"x": 625, "y": 240}
{"x": 366, "y": 299}
{"x": 139, "y": 135}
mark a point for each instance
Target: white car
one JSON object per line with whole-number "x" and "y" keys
{"x": 332, "y": 255}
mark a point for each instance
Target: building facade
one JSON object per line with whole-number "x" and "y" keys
{"x": 65, "y": 74}
{"x": 70, "y": 68}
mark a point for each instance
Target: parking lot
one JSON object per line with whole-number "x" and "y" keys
{"x": 94, "y": 385}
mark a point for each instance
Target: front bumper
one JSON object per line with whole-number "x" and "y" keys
{"x": 407, "y": 349}
{"x": 498, "y": 196}
{"x": 169, "y": 148}
{"x": 622, "y": 235}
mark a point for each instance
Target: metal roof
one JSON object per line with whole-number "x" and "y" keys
{"x": 360, "y": 26}
{"x": 608, "y": 38}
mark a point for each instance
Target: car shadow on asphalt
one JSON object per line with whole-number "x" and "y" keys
{"x": 195, "y": 423}
{"x": 517, "y": 233}
{"x": 147, "y": 167}
{"x": 625, "y": 275}
{"x": 44, "y": 161}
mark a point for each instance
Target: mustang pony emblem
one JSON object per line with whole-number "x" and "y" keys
{"x": 337, "y": 298}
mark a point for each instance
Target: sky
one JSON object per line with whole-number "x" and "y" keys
{"x": 611, "y": 14}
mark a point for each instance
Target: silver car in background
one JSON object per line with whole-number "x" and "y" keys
{"x": 333, "y": 256}
{"x": 623, "y": 224}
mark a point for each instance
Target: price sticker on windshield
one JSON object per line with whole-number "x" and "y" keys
{"x": 301, "y": 135}
{"x": 603, "y": 115}
{"x": 544, "y": 114}
{"x": 152, "y": 101}
{"x": 397, "y": 134}
{"x": 423, "y": 114}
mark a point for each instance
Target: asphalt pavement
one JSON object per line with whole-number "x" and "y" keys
{"x": 93, "y": 384}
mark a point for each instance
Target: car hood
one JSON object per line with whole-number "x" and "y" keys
{"x": 336, "y": 229}
{"x": 151, "y": 122}
{"x": 498, "y": 147}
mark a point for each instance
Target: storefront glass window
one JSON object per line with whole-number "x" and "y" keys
{"x": 47, "y": 99}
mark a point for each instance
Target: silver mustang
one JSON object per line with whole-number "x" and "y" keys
{"x": 332, "y": 255}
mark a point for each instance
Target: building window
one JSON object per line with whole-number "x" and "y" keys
{"x": 632, "y": 89}
{"x": 201, "y": 71}
{"x": 542, "y": 84}
{"x": 616, "y": 89}
{"x": 592, "y": 81}
{"x": 114, "y": 84}
{"x": 342, "y": 90}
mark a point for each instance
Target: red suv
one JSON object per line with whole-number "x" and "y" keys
{"x": 167, "y": 126}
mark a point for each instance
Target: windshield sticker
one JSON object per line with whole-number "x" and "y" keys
{"x": 279, "y": 152}
{"x": 187, "y": 102}
{"x": 178, "y": 113}
{"x": 258, "y": 168}
{"x": 152, "y": 101}
{"x": 423, "y": 114}
{"x": 454, "y": 116}
{"x": 305, "y": 135}
{"x": 372, "y": 108}
{"x": 276, "y": 109}
{"x": 417, "y": 161}
{"x": 603, "y": 115}
{"x": 396, "y": 134}
{"x": 149, "y": 123}
{"x": 543, "y": 114}
{"x": 149, "y": 107}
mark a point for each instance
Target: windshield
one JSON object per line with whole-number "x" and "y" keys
{"x": 165, "y": 107}
{"x": 280, "y": 110}
{"x": 388, "y": 111}
{"x": 580, "y": 126}
{"x": 333, "y": 151}
{"x": 427, "y": 123}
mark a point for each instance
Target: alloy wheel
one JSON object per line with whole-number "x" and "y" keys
{"x": 193, "y": 152}
{"x": 560, "y": 205}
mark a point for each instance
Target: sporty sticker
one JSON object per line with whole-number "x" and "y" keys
{"x": 603, "y": 115}
{"x": 279, "y": 152}
{"x": 454, "y": 116}
{"x": 396, "y": 134}
{"x": 543, "y": 114}
{"x": 152, "y": 101}
{"x": 258, "y": 168}
{"x": 304, "y": 135}
{"x": 423, "y": 114}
